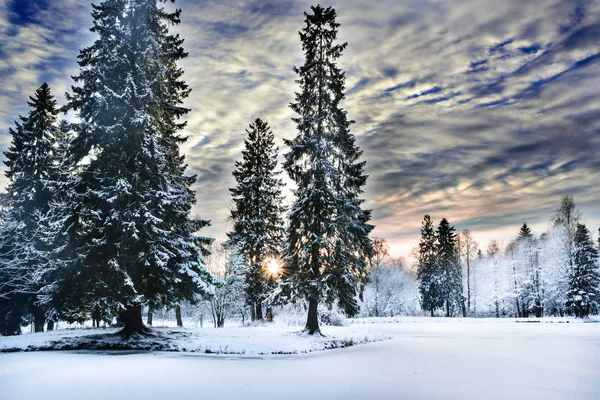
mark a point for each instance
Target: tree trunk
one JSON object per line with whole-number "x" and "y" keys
{"x": 252, "y": 312}
{"x": 39, "y": 319}
{"x": 149, "y": 320}
{"x": 178, "y": 315}
{"x": 312, "y": 322}
{"x": 132, "y": 321}
{"x": 432, "y": 311}
{"x": 96, "y": 316}
{"x": 468, "y": 286}
{"x": 50, "y": 326}
{"x": 259, "y": 313}
{"x": 539, "y": 311}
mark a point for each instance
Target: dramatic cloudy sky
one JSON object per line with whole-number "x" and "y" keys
{"x": 484, "y": 112}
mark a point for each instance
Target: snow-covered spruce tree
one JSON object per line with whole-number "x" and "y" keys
{"x": 134, "y": 240}
{"x": 429, "y": 273}
{"x": 30, "y": 162}
{"x": 532, "y": 290}
{"x": 447, "y": 257}
{"x": 258, "y": 228}
{"x": 583, "y": 294}
{"x": 328, "y": 235}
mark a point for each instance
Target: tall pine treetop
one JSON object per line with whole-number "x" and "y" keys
{"x": 446, "y": 237}
{"x": 258, "y": 195}
{"x": 525, "y": 232}
{"x": 31, "y": 154}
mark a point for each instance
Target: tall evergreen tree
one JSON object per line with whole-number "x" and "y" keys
{"x": 258, "y": 228}
{"x": 532, "y": 296}
{"x": 447, "y": 257}
{"x": 30, "y": 162}
{"x": 133, "y": 242}
{"x": 583, "y": 294}
{"x": 429, "y": 273}
{"x": 328, "y": 235}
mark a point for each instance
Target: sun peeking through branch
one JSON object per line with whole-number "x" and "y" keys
{"x": 273, "y": 269}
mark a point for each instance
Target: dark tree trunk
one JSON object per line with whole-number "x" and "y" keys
{"x": 447, "y": 308}
{"x": 96, "y": 317}
{"x": 50, "y": 326}
{"x": 252, "y": 312}
{"x": 432, "y": 311}
{"x": 259, "y": 313}
{"x": 178, "y": 315}
{"x": 39, "y": 319}
{"x": 132, "y": 321}
{"x": 538, "y": 309}
{"x": 312, "y": 322}
{"x": 149, "y": 320}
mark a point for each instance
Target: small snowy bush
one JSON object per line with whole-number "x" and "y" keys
{"x": 331, "y": 317}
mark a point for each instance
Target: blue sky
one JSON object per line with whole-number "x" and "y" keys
{"x": 484, "y": 112}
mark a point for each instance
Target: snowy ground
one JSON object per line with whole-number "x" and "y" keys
{"x": 425, "y": 359}
{"x": 258, "y": 340}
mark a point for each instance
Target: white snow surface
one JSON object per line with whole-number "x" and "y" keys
{"x": 256, "y": 340}
{"x": 424, "y": 359}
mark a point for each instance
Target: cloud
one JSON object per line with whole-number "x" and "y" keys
{"x": 484, "y": 112}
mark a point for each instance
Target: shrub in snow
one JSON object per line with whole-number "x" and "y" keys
{"x": 332, "y": 316}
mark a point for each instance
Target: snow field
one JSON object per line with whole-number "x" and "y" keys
{"x": 424, "y": 359}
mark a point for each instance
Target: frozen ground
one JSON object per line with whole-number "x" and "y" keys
{"x": 425, "y": 359}
{"x": 258, "y": 340}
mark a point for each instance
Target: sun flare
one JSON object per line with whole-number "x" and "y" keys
{"x": 273, "y": 267}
